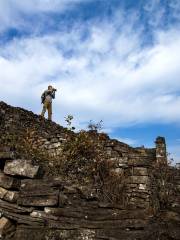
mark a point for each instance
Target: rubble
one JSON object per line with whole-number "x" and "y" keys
{"x": 37, "y": 205}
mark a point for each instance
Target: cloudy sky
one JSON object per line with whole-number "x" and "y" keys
{"x": 116, "y": 61}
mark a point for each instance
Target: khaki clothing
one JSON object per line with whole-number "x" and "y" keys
{"x": 47, "y": 105}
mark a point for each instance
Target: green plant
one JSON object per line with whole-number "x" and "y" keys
{"x": 68, "y": 120}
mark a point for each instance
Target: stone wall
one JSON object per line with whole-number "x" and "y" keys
{"x": 37, "y": 206}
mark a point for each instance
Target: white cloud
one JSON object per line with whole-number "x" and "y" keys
{"x": 12, "y": 12}
{"x": 109, "y": 75}
{"x": 157, "y": 11}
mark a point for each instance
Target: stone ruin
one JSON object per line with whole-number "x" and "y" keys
{"x": 39, "y": 205}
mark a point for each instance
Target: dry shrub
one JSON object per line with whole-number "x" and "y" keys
{"x": 164, "y": 176}
{"x": 85, "y": 159}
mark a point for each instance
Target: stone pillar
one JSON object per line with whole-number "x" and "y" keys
{"x": 161, "y": 154}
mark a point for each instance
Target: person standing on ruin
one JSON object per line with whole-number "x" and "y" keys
{"x": 46, "y": 100}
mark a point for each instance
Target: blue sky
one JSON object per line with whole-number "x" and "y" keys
{"x": 116, "y": 60}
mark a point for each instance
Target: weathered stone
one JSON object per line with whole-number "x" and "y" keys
{"x": 9, "y": 182}
{"x": 14, "y": 208}
{"x": 139, "y": 161}
{"x": 140, "y": 171}
{"x": 88, "y": 193}
{"x": 41, "y": 184}
{"x": 24, "y": 219}
{"x": 138, "y": 179}
{"x": 70, "y": 189}
{"x": 85, "y": 206}
{"x": 142, "y": 186}
{"x": 5, "y": 225}
{"x": 63, "y": 200}
{"x": 43, "y": 215}
{"x": 10, "y": 196}
{"x": 96, "y": 214}
{"x": 2, "y": 192}
{"x": 21, "y": 167}
{"x": 170, "y": 215}
{"x": 72, "y": 223}
{"x": 6, "y": 155}
{"x": 41, "y": 200}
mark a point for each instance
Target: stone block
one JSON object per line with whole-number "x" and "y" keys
{"x": 30, "y": 185}
{"x": 70, "y": 189}
{"x": 10, "y": 196}
{"x": 5, "y": 225}
{"x": 138, "y": 179}
{"x": 6, "y": 155}
{"x": 39, "y": 201}
{"x": 63, "y": 200}
{"x": 14, "y": 208}
{"x": 140, "y": 171}
{"x": 21, "y": 167}
{"x": 9, "y": 182}
{"x": 38, "y": 193}
{"x": 2, "y": 192}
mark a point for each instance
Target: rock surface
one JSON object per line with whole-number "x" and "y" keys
{"x": 9, "y": 182}
{"x": 130, "y": 203}
{"x": 5, "y": 227}
{"x": 21, "y": 167}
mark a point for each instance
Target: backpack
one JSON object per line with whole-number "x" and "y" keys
{"x": 43, "y": 97}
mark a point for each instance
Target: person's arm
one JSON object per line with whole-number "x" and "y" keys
{"x": 53, "y": 93}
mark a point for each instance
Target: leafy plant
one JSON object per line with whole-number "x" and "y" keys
{"x": 68, "y": 120}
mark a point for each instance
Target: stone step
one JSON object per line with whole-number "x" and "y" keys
{"x": 30, "y": 185}
{"x": 39, "y": 200}
{"x": 14, "y": 208}
{"x": 72, "y": 223}
{"x": 25, "y": 232}
{"x": 10, "y": 196}
{"x": 9, "y": 182}
{"x": 97, "y": 214}
{"x": 24, "y": 219}
{"x": 21, "y": 167}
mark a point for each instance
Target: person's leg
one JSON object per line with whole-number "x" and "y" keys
{"x": 44, "y": 109}
{"x": 50, "y": 111}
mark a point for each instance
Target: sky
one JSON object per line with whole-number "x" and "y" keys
{"x": 116, "y": 61}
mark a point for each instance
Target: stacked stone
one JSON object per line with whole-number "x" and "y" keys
{"x": 10, "y": 171}
{"x": 41, "y": 205}
{"x": 161, "y": 154}
{"x": 135, "y": 166}
{"x": 18, "y": 126}
{"x": 139, "y": 180}
{"x": 6, "y": 227}
{"x": 35, "y": 208}
{"x": 176, "y": 194}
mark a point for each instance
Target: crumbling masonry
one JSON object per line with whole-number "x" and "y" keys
{"x": 37, "y": 204}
